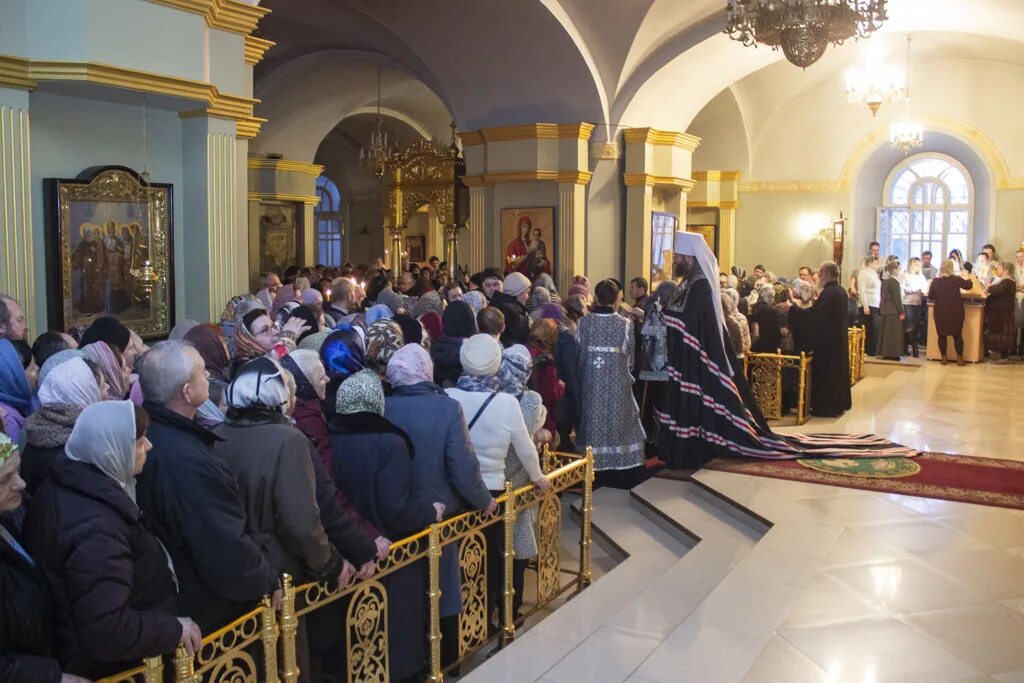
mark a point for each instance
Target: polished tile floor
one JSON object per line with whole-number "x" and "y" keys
{"x": 845, "y": 585}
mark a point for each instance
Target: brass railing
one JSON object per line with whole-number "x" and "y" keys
{"x": 260, "y": 646}
{"x": 857, "y": 338}
{"x": 764, "y": 373}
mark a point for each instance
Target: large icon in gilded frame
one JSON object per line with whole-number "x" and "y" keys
{"x": 278, "y": 248}
{"x": 528, "y": 240}
{"x": 109, "y": 250}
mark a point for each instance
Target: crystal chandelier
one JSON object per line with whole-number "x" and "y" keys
{"x": 375, "y": 158}
{"x": 802, "y": 28}
{"x": 873, "y": 82}
{"x": 906, "y": 134}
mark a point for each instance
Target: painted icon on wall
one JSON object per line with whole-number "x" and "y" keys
{"x": 110, "y": 250}
{"x": 277, "y": 237}
{"x": 416, "y": 248}
{"x": 528, "y": 240}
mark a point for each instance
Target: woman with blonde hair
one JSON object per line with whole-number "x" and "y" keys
{"x": 915, "y": 287}
{"x": 999, "y": 313}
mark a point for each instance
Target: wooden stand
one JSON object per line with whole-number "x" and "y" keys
{"x": 973, "y": 332}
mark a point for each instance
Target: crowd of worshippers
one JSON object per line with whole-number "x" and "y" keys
{"x": 890, "y": 299}
{"x": 151, "y": 494}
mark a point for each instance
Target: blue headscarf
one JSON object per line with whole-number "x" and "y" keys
{"x": 378, "y": 312}
{"x": 343, "y": 353}
{"x": 14, "y": 389}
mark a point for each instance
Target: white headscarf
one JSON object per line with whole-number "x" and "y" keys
{"x": 104, "y": 436}
{"x": 258, "y": 383}
{"x": 693, "y": 244}
{"x": 74, "y": 383}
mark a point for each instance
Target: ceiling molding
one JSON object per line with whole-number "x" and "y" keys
{"x": 650, "y": 180}
{"x": 805, "y": 186}
{"x": 311, "y": 200}
{"x": 285, "y": 165}
{"x": 227, "y": 15}
{"x": 531, "y": 131}
{"x": 662, "y": 138}
{"x": 717, "y": 176}
{"x": 255, "y": 48}
{"x": 485, "y": 179}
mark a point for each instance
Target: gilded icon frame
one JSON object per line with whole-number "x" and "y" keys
{"x": 130, "y": 275}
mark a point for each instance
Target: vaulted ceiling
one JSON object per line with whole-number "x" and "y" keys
{"x": 501, "y": 62}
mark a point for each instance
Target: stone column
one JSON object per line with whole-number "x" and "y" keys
{"x": 18, "y": 278}
{"x": 481, "y": 212}
{"x": 211, "y": 264}
{"x": 571, "y": 229}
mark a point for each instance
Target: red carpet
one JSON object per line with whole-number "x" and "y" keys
{"x": 960, "y": 478}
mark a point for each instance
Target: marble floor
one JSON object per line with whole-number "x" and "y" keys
{"x": 791, "y": 582}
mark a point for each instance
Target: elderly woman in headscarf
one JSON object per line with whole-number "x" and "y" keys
{"x": 275, "y": 474}
{"x": 227, "y": 317}
{"x": 343, "y": 353}
{"x": 433, "y": 323}
{"x": 513, "y": 374}
{"x": 496, "y": 424}
{"x": 377, "y": 459}
{"x": 15, "y": 392}
{"x": 736, "y": 322}
{"x": 383, "y": 339}
{"x": 459, "y": 325}
{"x": 444, "y": 464}
{"x": 765, "y": 331}
{"x": 113, "y": 593}
{"x": 256, "y": 333}
{"x": 111, "y": 363}
{"x": 803, "y": 298}
{"x": 212, "y": 347}
{"x": 63, "y": 394}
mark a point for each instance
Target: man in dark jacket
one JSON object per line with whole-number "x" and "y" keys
{"x": 191, "y": 499}
{"x": 512, "y": 303}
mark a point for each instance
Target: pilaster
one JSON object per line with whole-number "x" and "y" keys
{"x": 571, "y": 229}
{"x": 18, "y": 279}
{"x": 481, "y": 209}
{"x": 657, "y": 178}
{"x": 214, "y": 260}
{"x": 719, "y": 189}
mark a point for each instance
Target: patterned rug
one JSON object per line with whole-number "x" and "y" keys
{"x": 960, "y": 478}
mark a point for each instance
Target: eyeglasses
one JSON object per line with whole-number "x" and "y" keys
{"x": 269, "y": 329}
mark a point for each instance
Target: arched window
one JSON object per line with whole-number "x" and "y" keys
{"x": 328, "y": 223}
{"x": 927, "y": 205}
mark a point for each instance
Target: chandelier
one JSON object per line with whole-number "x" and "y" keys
{"x": 873, "y": 82}
{"x": 375, "y": 157}
{"x": 802, "y": 28}
{"x": 906, "y": 134}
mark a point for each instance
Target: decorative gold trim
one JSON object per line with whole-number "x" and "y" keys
{"x": 719, "y": 176}
{"x": 14, "y": 73}
{"x": 26, "y": 74}
{"x": 631, "y": 179}
{"x": 255, "y": 48}
{"x": 530, "y": 131}
{"x": 483, "y": 179}
{"x": 312, "y": 200}
{"x": 662, "y": 138}
{"x": 805, "y": 186}
{"x": 228, "y": 15}
{"x": 725, "y": 204}
{"x": 285, "y": 165}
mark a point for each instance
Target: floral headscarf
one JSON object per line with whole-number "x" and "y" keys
{"x": 411, "y": 364}
{"x": 514, "y": 373}
{"x": 247, "y": 346}
{"x": 361, "y": 393}
{"x": 232, "y": 305}
{"x": 100, "y": 353}
{"x": 7, "y": 448}
{"x": 476, "y": 301}
{"x": 804, "y": 291}
{"x": 315, "y": 341}
{"x": 383, "y": 339}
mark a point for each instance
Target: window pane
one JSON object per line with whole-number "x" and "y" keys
{"x": 957, "y": 242}
{"x": 958, "y": 222}
{"x": 901, "y": 186}
{"x": 959, "y": 192}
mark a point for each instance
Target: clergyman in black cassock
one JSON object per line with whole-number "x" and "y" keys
{"x": 827, "y": 322}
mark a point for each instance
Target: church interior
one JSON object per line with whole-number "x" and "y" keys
{"x": 208, "y": 142}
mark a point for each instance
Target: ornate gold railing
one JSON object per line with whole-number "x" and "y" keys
{"x": 857, "y": 338}
{"x": 764, "y": 374}
{"x": 260, "y": 646}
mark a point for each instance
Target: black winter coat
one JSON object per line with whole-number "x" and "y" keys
{"x": 444, "y": 351}
{"x": 25, "y": 625}
{"x": 373, "y": 467}
{"x": 191, "y": 502}
{"x": 343, "y": 531}
{"x": 113, "y": 596}
{"x": 567, "y": 353}
{"x": 517, "y": 319}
